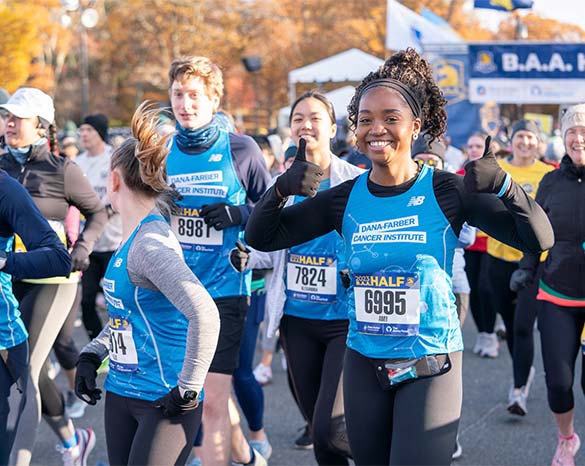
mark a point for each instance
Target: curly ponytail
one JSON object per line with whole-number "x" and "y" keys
{"x": 412, "y": 70}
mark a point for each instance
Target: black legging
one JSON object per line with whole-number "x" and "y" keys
{"x": 90, "y": 281}
{"x": 501, "y": 297}
{"x": 525, "y": 316}
{"x": 413, "y": 424}
{"x": 314, "y": 352}
{"x": 560, "y": 335}
{"x": 483, "y": 313}
{"x": 139, "y": 434}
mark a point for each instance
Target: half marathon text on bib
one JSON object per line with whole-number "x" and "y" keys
{"x": 123, "y": 355}
{"x": 311, "y": 277}
{"x": 195, "y": 235}
{"x": 387, "y": 304}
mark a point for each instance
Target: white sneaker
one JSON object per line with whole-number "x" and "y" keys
{"x": 263, "y": 374}
{"x": 491, "y": 346}
{"x": 458, "y": 450}
{"x": 54, "y": 369}
{"x": 77, "y": 455}
{"x": 479, "y": 342}
{"x": 74, "y": 407}
{"x": 517, "y": 401}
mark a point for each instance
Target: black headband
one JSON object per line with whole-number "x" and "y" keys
{"x": 404, "y": 90}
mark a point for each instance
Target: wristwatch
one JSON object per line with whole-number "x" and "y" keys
{"x": 188, "y": 395}
{"x": 3, "y": 259}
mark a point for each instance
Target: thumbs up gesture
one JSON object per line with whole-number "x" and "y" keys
{"x": 485, "y": 175}
{"x": 302, "y": 178}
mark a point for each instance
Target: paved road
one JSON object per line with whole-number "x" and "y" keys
{"x": 488, "y": 434}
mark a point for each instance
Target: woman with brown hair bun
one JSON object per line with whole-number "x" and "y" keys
{"x": 163, "y": 324}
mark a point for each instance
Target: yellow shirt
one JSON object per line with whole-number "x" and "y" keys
{"x": 529, "y": 178}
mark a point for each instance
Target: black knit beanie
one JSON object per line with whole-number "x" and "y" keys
{"x": 422, "y": 146}
{"x": 525, "y": 125}
{"x": 99, "y": 122}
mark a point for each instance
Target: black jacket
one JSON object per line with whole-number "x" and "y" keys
{"x": 55, "y": 183}
{"x": 561, "y": 194}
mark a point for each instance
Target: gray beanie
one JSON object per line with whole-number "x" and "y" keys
{"x": 573, "y": 116}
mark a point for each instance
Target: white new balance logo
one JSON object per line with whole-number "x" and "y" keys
{"x": 415, "y": 200}
{"x": 215, "y": 158}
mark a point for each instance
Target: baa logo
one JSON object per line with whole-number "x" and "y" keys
{"x": 450, "y": 75}
{"x": 489, "y": 113}
{"x": 485, "y": 63}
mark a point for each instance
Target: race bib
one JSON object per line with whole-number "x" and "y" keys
{"x": 311, "y": 278}
{"x": 388, "y": 304}
{"x": 195, "y": 235}
{"x": 123, "y": 355}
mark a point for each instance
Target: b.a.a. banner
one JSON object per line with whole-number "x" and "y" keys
{"x": 503, "y": 5}
{"x": 451, "y": 69}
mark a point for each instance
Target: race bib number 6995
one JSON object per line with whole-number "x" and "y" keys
{"x": 387, "y": 304}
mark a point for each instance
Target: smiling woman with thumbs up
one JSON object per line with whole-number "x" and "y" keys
{"x": 399, "y": 223}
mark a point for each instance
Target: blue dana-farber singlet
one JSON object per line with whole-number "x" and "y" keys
{"x": 204, "y": 179}
{"x": 399, "y": 252}
{"x": 148, "y": 334}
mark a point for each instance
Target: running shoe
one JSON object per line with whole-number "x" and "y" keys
{"x": 54, "y": 369}
{"x": 77, "y": 455}
{"x": 458, "y": 450}
{"x": 567, "y": 448}
{"x": 517, "y": 401}
{"x": 500, "y": 328}
{"x": 195, "y": 461}
{"x": 479, "y": 342}
{"x": 304, "y": 442}
{"x": 74, "y": 407}
{"x": 259, "y": 460}
{"x": 263, "y": 374}
{"x": 263, "y": 447}
{"x": 491, "y": 346}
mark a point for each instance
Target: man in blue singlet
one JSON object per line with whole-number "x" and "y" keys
{"x": 219, "y": 176}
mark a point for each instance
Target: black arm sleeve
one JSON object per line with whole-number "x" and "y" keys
{"x": 79, "y": 193}
{"x": 271, "y": 227}
{"x": 46, "y": 256}
{"x": 516, "y": 219}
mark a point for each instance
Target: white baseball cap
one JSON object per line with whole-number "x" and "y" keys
{"x": 28, "y": 102}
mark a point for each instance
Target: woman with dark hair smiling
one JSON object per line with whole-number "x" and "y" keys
{"x": 400, "y": 222}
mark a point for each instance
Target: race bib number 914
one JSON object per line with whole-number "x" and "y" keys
{"x": 123, "y": 356}
{"x": 387, "y": 304}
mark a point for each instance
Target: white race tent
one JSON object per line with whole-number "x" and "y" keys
{"x": 349, "y": 66}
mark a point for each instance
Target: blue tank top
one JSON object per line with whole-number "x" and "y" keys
{"x": 12, "y": 329}
{"x": 204, "y": 179}
{"x": 313, "y": 285}
{"x": 399, "y": 252}
{"x": 147, "y": 333}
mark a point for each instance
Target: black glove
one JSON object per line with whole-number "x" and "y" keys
{"x": 484, "y": 175}
{"x": 345, "y": 278}
{"x": 302, "y": 178}
{"x": 221, "y": 215}
{"x": 239, "y": 257}
{"x": 85, "y": 375}
{"x": 173, "y": 404}
{"x": 79, "y": 258}
{"x": 520, "y": 279}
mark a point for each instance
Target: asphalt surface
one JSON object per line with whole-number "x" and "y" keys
{"x": 489, "y": 435}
